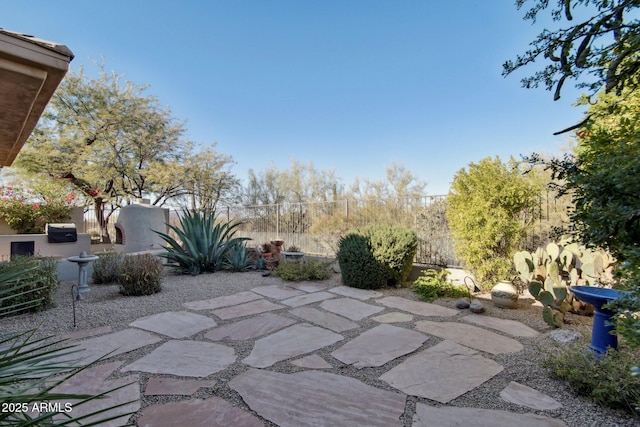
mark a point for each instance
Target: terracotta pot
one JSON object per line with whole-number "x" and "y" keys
{"x": 504, "y": 295}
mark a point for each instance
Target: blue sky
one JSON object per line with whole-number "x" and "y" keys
{"x": 350, "y": 85}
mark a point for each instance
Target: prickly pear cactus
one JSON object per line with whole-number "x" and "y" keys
{"x": 548, "y": 272}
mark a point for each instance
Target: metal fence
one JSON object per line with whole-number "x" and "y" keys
{"x": 316, "y": 227}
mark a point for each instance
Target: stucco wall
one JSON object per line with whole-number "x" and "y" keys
{"x": 43, "y": 247}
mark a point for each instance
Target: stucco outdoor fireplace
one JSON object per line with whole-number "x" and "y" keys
{"x": 135, "y": 225}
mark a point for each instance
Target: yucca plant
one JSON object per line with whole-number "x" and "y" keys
{"x": 201, "y": 242}
{"x": 31, "y": 370}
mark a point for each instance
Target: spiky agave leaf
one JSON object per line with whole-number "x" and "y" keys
{"x": 202, "y": 243}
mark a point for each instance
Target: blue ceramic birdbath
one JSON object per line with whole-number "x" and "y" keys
{"x": 601, "y": 336}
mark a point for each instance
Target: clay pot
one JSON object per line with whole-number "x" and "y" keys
{"x": 504, "y": 295}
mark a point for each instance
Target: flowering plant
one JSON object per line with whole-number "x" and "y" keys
{"x": 27, "y": 211}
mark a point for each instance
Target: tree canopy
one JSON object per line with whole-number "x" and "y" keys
{"x": 603, "y": 174}
{"x": 299, "y": 184}
{"x": 603, "y": 42}
{"x": 116, "y": 143}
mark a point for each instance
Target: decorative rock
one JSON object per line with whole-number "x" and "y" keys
{"x": 504, "y": 295}
{"x": 463, "y": 303}
{"x": 565, "y": 336}
{"x": 313, "y": 398}
{"x": 476, "y": 307}
{"x": 528, "y": 397}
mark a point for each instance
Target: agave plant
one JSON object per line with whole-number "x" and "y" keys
{"x": 31, "y": 370}
{"x": 201, "y": 242}
{"x": 237, "y": 257}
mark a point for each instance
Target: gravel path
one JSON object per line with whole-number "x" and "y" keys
{"x": 104, "y": 306}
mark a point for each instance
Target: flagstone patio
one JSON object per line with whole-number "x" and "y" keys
{"x": 288, "y": 351}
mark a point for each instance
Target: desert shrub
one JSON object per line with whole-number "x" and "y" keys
{"x": 140, "y": 275}
{"x": 605, "y": 380}
{"x": 298, "y": 272}
{"x": 201, "y": 242}
{"x": 432, "y": 284}
{"x": 236, "y": 258}
{"x": 394, "y": 249}
{"x": 36, "y": 285}
{"x": 486, "y": 209}
{"x": 107, "y": 267}
{"x": 358, "y": 266}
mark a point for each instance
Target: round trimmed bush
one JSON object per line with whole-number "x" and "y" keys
{"x": 394, "y": 248}
{"x": 358, "y": 266}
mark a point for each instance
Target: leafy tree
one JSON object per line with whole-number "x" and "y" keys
{"x": 399, "y": 183}
{"x": 205, "y": 178}
{"x": 604, "y": 44}
{"x": 299, "y": 184}
{"x": 113, "y": 142}
{"x": 486, "y": 212}
{"x": 603, "y": 177}
{"x": 263, "y": 188}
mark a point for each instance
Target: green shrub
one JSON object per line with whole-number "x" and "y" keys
{"x": 298, "y": 272}
{"x": 358, "y": 266}
{"x": 201, "y": 242}
{"x": 237, "y": 257}
{"x": 393, "y": 249}
{"x": 607, "y": 380}
{"x": 140, "y": 275}
{"x": 36, "y": 285}
{"x": 486, "y": 212}
{"x": 107, "y": 267}
{"x": 432, "y": 284}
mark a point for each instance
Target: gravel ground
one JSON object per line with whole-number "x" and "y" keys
{"x": 104, "y": 306}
